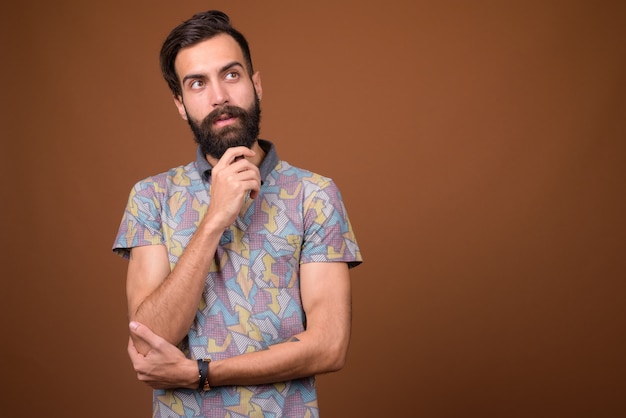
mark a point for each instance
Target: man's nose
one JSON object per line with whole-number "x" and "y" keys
{"x": 220, "y": 95}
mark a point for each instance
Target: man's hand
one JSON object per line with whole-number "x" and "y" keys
{"x": 232, "y": 178}
{"x": 164, "y": 366}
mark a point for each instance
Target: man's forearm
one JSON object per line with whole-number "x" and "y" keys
{"x": 278, "y": 363}
{"x": 301, "y": 356}
{"x": 171, "y": 307}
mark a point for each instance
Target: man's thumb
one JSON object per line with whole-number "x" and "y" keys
{"x": 134, "y": 327}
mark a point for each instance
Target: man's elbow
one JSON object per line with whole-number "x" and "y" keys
{"x": 337, "y": 365}
{"x": 336, "y": 358}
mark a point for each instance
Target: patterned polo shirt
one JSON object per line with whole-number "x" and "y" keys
{"x": 252, "y": 292}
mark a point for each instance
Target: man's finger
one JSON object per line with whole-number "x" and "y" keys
{"x": 235, "y": 153}
{"x": 132, "y": 351}
{"x": 144, "y": 333}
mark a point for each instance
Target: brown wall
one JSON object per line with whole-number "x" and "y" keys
{"x": 480, "y": 148}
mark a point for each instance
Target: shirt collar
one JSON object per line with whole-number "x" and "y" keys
{"x": 266, "y": 167}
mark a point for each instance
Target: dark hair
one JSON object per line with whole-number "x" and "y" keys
{"x": 198, "y": 28}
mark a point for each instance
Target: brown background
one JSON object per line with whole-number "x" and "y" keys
{"x": 480, "y": 149}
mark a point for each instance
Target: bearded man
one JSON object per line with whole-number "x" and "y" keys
{"x": 238, "y": 284}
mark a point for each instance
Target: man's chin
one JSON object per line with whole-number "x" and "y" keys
{"x": 217, "y": 149}
{"x": 228, "y": 134}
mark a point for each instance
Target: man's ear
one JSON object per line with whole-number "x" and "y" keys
{"x": 256, "y": 81}
{"x": 178, "y": 101}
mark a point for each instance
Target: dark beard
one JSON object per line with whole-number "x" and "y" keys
{"x": 216, "y": 142}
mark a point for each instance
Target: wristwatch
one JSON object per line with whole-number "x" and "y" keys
{"x": 206, "y": 386}
{"x": 203, "y": 374}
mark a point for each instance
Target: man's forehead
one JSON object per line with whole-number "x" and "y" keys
{"x": 212, "y": 53}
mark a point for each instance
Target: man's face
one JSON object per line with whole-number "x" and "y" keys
{"x": 214, "y": 139}
{"x": 219, "y": 98}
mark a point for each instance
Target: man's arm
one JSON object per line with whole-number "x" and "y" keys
{"x": 167, "y": 301}
{"x": 321, "y": 348}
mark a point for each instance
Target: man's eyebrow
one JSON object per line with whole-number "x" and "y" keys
{"x": 193, "y": 77}
{"x": 231, "y": 65}
{"x": 203, "y": 76}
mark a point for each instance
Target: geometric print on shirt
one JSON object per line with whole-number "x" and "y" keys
{"x": 252, "y": 292}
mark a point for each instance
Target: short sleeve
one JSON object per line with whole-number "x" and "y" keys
{"x": 328, "y": 234}
{"x": 141, "y": 222}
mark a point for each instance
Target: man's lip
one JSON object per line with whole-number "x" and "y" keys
{"x": 224, "y": 120}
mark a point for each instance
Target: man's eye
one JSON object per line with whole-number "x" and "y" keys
{"x": 233, "y": 75}
{"x": 197, "y": 84}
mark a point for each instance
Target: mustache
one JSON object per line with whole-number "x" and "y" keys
{"x": 232, "y": 111}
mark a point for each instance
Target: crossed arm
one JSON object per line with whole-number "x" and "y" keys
{"x": 321, "y": 348}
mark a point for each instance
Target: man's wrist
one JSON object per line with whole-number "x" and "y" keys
{"x": 191, "y": 375}
{"x": 210, "y": 224}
